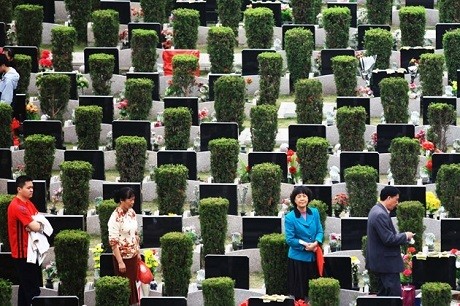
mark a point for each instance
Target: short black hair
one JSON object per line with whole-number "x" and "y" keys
{"x": 22, "y": 180}
{"x": 8, "y": 52}
{"x": 301, "y": 190}
{"x": 388, "y": 191}
{"x": 4, "y": 60}
{"x": 124, "y": 194}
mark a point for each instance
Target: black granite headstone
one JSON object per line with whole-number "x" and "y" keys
{"x": 450, "y": 234}
{"x": 106, "y": 265}
{"x": 339, "y": 267}
{"x": 27, "y": 50}
{"x": 374, "y": 300}
{"x": 352, "y": 6}
{"x": 154, "y": 227}
{"x": 427, "y": 100}
{"x": 441, "y": 29}
{"x": 197, "y": 5}
{"x": 65, "y": 222}
{"x": 211, "y": 11}
{"x": 55, "y": 301}
{"x": 286, "y": 27}
{"x": 2, "y": 34}
{"x": 6, "y": 163}
{"x": 106, "y": 50}
{"x": 214, "y": 130}
{"x": 45, "y": 127}
{"x": 322, "y": 193}
{"x": 362, "y": 28}
{"x": 378, "y": 76}
{"x": 179, "y": 157}
{"x": 213, "y": 77}
{"x": 8, "y": 270}
{"x": 256, "y": 227}
{"x": 429, "y": 4}
{"x": 389, "y": 131}
{"x": 163, "y": 301}
{"x": 48, "y": 8}
{"x": 297, "y": 131}
{"x": 249, "y": 63}
{"x": 412, "y": 53}
{"x": 39, "y": 196}
{"x": 153, "y": 76}
{"x": 260, "y": 302}
{"x": 434, "y": 269}
{"x": 109, "y": 189}
{"x": 140, "y": 128}
{"x": 19, "y": 107}
{"x": 235, "y": 267}
{"x": 277, "y": 158}
{"x": 94, "y": 157}
{"x": 226, "y": 191}
{"x": 350, "y": 159}
{"x": 73, "y": 83}
{"x": 328, "y": 54}
{"x": 146, "y": 26}
{"x": 121, "y": 6}
{"x": 410, "y": 193}
{"x": 439, "y": 159}
{"x": 356, "y": 101}
{"x": 105, "y": 102}
{"x": 275, "y": 7}
{"x": 353, "y": 230}
{"x": 190, "y": 102}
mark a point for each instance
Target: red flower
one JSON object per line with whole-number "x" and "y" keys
{"x": 158, "y": 124}
{"x": 407, "y": 272}
{"x": 429, "y": 165}
{"x": 290, "y": 152}
{"x": 248, "y": 168}
{"x": 453, "y": 251}
{"x": 300, "y": 303}
{"x": 245, "y": 303}
{"x": 45, "y": 62}
{"x": 411, "y": 250}
{"x": 292, "y": 170}
{"x": 289, "y": 159}
{"x": 15, "y": 124}
{"x": 123, "y": 104}
{"x": 45, "y": 53}
{"x": 428, "y": 145}
{"x": 15, "y": 141}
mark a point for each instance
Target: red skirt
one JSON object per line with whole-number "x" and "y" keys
{"x": 131, "y": 274}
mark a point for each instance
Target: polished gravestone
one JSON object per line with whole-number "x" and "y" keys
{"x": 450, "y": 234}
{"x": 94, "y": 157}
{"x": 298, "y": 131}
{"x": 378, "y": 76}
{"x": 27, "y": 50}
{"x": 411, "y": 53}
{"x": 221, "y": 190}
{"x": 362, "y": 28}
{"x": 65, "y": 222}
{"x": 275, "y": 7}
{"x": 350, "y": 159}
{"x": 163, "y": 301}
{"x": 40, "y": 194}
{"x": 140, "y": 128}
{"x": 179, "y": 157}
{"x": 429, "y": 4}
{"x": 260, "y": 302}
{"x": 373, "y": 300}
{"x": 328, "y": 54}
{"x": 339, "y": 267}
{"x": 8, "y": 270}
{"x": 73, "y": 83}
{"x": 286, "y": 27}
{"x": 439, "y": 159}
{"x": 249, "y": 62}
{"x": 109, "y": 189}
{"x": 441, "y": 29}
{"x": 146, "y": 26}
{"x": 215, "y": 130}
{"x": 122, "y": 7}
{"x": 19, "y": 107}
{"x": 352, "y": 6}
{"x": 434, "y": 269}
{"x": 354, "y": 102}
{"x": 6, "y": 163}
{"x": 410, "y": 193}
{"x": 153, "y": 76}
{"x": 277, "y": 158}
{"x": 2, "y": 34}
{"x": 211, "y": 11}
{"x": 256, "y": 227}
{"x": 55, "y": 301}
{"x": 425, "y": 101}
{"x": 212, "y": 78}
{"x": 154, "y": 227}
{"x": 48, "y": 8}
{"x": 197, "y": 5}
{"x": 106, "y": 50}
{"x": 189, "y": 102}
{"x": 105, "y": 102}
{"x": 389, "y": 131}
{"x": 106, "y": 265}
{"x": 353, "y": 231}
{"x": 235, "y": 267}
{"x": 45, "y": 127}
{"x": 322, "y": 193}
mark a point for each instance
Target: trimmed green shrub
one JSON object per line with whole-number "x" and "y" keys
{"x": 264, "y": 127}
{"x": 274, "y": 260}
{"x": 171, "y": 183}
{"x": 178, "y": 122}
{"x": 412, "y": 24}
{"x": 309, "y": 101}
{"x": 379, "y": 42}
{"x": 270, "y": 71}
{"x": 105, "y": 210}
{"x": 431, "y": 70}
{"x": 219, "y": 291}
{"x": 186, "y": 24}
{"x": 305, "y": 11}
{"x": 229, "y": 99}
{"x": 139, "y": 95}
{"x": 112, "y": 291}
{"x": 441, "y": 116}
{"x": 404, "y": 160}
{"x": 39, "y": 156}
{"x": 88, "y": 121}
{"x": 299, "y": 45}
{"x": 184, "y": 67}
{"x": 266, "y": 188}
{"x": 344, "y": 68}
{"x": 336, "y": 21}
{"x": 361, "y": 188}
{"x": 395, "y": 100}
{"x": 71, "y": 250}
{"x": 448, "y": 188}
{"x": 351, "y": 123}
{"x": 131, "y": 154}
{"x": 449, "y": 11}
{"x": 75, "y": 185}
{"x": 379, "y": 11}
{"x": 410, "y": 216}
{"x": 29, "y": 25}
{"x": 258, "y": 24}
{"x": 176, "y": 261}
{"x": 6, "y": 111}
{"x": 213, "y": 224}
{"x": 100, "y": 70}
{"x": 105, "y": 28}
{"x": 221, "y": 41}
{"x": 80, "y": 14}
{"x": 322, "y": 209}
{"x": 154, "y": 11}
{"x": 6, "y": 291}
{"x": 5, "y": 200}
{"x": 224, "y": 159}
{"x": 229, "y": 12}
{"x": 144, "y": 50}
{"x": 23, "y": 67}
{"x": 6, "y": 14}
{"x": 436, "y": 294}
{"x": 54, "y": 90}
{"x": 324, "y": 291}
{"x": 450, "y": 42}
{"x": 63, "y": 39}
{"x": 312, "y": 152}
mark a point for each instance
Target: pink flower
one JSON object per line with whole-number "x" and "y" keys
{"x": 407, "y": 272}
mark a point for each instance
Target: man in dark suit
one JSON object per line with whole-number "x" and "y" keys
{"x": 383, "y": 244}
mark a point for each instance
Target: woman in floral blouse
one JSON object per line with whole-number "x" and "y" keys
{"x": 124, "y": 240}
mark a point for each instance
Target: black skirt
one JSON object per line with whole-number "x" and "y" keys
{"x": 299, "y": 274}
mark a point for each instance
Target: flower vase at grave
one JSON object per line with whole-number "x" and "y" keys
{"x": 49, "y": 283}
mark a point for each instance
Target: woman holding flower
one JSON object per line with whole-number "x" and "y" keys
{"x": 124, "y": 240}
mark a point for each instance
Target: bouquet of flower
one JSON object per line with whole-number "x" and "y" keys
{"x": 191, "y": 232}
{"x": 14, "y": 126}
{"x": 173, "y": 90}
{"x": 123, "y": 107}
{"x": 340, "y": 202}
{"x": 244, "y": 172}
{"x": 203, "y": 90}
{"x": 50, "y": 270}
{"x": 32, "y": 111}
{"x": 123, "y": 37}
{"x": 432, "y": 202}
{"x": 82, "y": 82}
{"x": 57, "y": 195}
{"x": 354, "y": 269}
{"x": 169, "y": 38}
{"x": 137, "y": 13}
{"x": 429, "y": 148}
{"x": 406, "y": 275}
{"x": 421, "y": 136}
{"x": 335, "y": 241}
{"x": 151, "y": 260}
{"x": 203, "y": 115}
{"x": 286, "y": 13}
{"x": 46, "y": 60}
{"x": 97, "y": 251}
{"x": 294, "y": 173}
{"x": 19, "y": 170}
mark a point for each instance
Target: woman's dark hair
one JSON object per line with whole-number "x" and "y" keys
{"x": 4, "y": 60}
{"x": 123, "y": 194}
{"x": 9, "y": 53}
{"x": 301, "y": 190}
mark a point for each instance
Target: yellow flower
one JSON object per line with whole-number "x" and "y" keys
{"x": 432, "y": 202}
